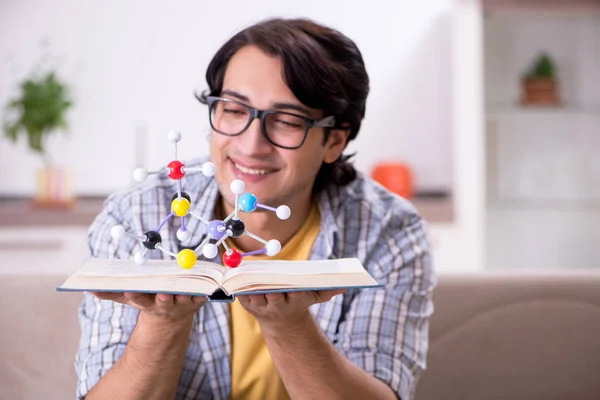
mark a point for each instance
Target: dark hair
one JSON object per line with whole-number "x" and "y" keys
{"x": 322, "y": 67}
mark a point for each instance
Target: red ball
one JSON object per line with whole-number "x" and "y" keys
{"x": 175, "y": 171}
{"x": 233, "y": 259}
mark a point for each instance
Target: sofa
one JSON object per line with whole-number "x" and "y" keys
{"x": 494, "y": 335}
{"x": 532, "y": 335}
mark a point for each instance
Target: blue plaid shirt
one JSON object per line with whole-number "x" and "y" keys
{"x": 384, "y": 331}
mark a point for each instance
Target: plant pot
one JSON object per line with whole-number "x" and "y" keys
{"x": 396, "y": 177}
{"x": 540, "y": 92}
{"x": 54, "y": 188}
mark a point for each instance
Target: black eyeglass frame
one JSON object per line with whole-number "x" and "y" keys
{"x": 325, "y": 122}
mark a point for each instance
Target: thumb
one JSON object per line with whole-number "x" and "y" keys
{"x": 326, "y": 295}
{"x": 113, "y": 296}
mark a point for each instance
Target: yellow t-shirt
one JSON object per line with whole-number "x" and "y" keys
{"x": 253, "y": 374}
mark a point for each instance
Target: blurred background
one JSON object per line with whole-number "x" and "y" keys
{"x": 484, "y": 114}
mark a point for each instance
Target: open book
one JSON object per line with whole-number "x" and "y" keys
{"x": 215, "y": 281}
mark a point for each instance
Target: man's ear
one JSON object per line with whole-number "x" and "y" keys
{"x": 336, "y": 142}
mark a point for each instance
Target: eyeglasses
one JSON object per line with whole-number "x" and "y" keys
{"x": 282, "y": 129}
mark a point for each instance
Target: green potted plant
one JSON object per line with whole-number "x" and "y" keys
{"x": 38, "y": 111}
{"x": 540, "y": 83}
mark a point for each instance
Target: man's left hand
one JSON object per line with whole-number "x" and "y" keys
{"x": 284, "y": 309}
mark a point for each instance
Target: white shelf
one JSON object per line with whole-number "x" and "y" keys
{"x": 542, "y": 166}
{"x": 541, "y": 6}
{"x": 539, "y": 205}
{"x": 566, "y": 111}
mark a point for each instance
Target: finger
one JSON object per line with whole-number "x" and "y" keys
{"x": 113, "y": 296}
{"x": 326, "y": 295}
{"x": 165, "y": 299}
{"x": 291, "y": 296}
{"x": 275, "y": 298}
{"x": 334, "y": 292}
{"x": 244, "y": 300}
{"x": 143, "y": 300}
{"x": 304, "y": 298}
{"x": 257, "y": 300}
{"x": 198, "y": 300}
{"x": 183, "y": 299}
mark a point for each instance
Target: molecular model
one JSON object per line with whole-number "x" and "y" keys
{"x": 217, "y": 230}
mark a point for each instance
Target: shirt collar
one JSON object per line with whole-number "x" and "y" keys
{"x": 329, "y": 202}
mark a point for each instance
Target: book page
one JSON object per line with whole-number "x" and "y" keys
{"x": 283, "y": 283}
{"x": 146, "y": 284}
{"x": 128, "y": 268}
{"x": 259, "y": 275}
{"x": 316, "y": 267}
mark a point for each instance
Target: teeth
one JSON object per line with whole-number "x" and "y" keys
{"x": 251, "y": 171}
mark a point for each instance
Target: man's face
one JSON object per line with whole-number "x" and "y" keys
{"x": 274, "y": 175}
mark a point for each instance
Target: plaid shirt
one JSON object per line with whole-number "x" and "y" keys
{"x": 384, "y": 331}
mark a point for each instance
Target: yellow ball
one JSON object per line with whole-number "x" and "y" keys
{"x": 186, "y": 258}
{"x": 180, "y": 206}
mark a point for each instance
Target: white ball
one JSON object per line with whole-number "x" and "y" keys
{"x": 140, "y": 258}
{"x": 237, "y": 187}
{"x": 140, "y": 174}
{"x": 117, "y": 232}
{"x": 183, "y": 235}
{"x": 209, "y": 169}
{"x": 283, "y": 212}
{"x": 209, "y": 250}
{"x": 273, "y": 247}
{"x": 174, "y": 136}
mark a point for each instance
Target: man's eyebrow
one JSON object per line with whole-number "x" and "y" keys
{"x": 276, "y": 106}
{"x": 292, "y": 106}
{"x": 235, "y": 94}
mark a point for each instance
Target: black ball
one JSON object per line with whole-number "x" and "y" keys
{"x": 236, "y": 227}
{"x": 152, "y": 239}
{"x": 184, "y": 195}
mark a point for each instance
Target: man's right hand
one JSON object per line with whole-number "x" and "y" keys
{"x": 151, "y": 364}
{"x": 164, "y": 307}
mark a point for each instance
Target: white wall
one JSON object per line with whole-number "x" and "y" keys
{"x": 460, "y": 246}
{"x": 543, "y": 165}
{"x": 134, "y": 65}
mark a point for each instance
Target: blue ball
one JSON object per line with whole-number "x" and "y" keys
{"x": 248, "y": 202}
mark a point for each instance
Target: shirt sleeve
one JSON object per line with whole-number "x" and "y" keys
{"x": 385, "y": 330}
{"x": 105, "y": 325}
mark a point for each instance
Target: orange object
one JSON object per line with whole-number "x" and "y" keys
{"x": 396, "y": 177}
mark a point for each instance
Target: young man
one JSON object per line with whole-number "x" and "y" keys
{"x": 311, "y": 86}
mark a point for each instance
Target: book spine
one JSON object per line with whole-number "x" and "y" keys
{"x": 219, "y": 296}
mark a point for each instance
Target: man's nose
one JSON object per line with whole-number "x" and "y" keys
{"x": 252, "y": 140}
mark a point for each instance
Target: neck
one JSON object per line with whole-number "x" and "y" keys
{"x": 266, "y": 225}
